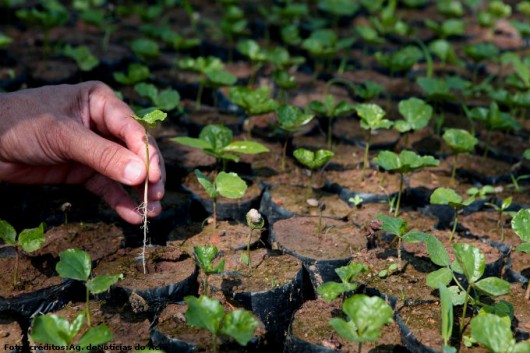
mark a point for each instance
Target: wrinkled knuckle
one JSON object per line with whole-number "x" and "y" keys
{"x": 107, "y": 159}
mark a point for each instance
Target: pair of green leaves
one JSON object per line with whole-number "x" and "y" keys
{"x": 447, "y": 196}
{"x": 331, "y": 290}
{"x": 521, "y": 227}
{"x": 365, "y": 317}
{"x": 135, "y": 73}
{"x": 324, "y": 43}
{"x": 401, "y": 60}
{"x": 28, "y": 239}
{"x": 82, "y": 55}
{"x": 291, "y": 118}
{"x": 205, "y": 256}
{"x": 253, "y": 101}
{"x": 313, "y": 160}
{"x": 207, "y": 313}
{"x": 217, "y": 141}
{"x": 212, "y": 69}
{"x": 404, "y": 162}
{"x": 228, "y": 185}
{"x": 416, "y": 114}
{"x": 76, "y": 264}
{"x": 372, "y": 116}
{"x": 167, "y": 99}
{"x": 329, "y": 109}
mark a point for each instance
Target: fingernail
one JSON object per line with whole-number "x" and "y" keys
{"x": 155, "y": 207}
{"x": 157, "y": 190}
{"x": 132, "y": 172}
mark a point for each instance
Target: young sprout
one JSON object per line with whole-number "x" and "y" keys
{"x": 460, "y": 141}
{"x": 166, "y": 100}
{"x": 447, "y": 196}
{"x": 372, "y": 118}
{"x": 365, "y": 317}
{"x": 402, "y": 163}
{"x": 401, "y": 60}
{"x": 28, "y": 240}
{"x": 331, "y": 290}
{"x": 290, "y": 120}
{"x": 208, "y": 313}
{"x": 255, "y": 222}
{"x": 228, "y": 185}
{"x": 313, "y": 161}
{"x": 446, "y": 307}
{"x": 217, "y": 141}
{"x": 368, "y": 90}
{"x": 76, "y": 264}
{"x": 502, "y": 210}
{"x": 416, "y": 114}
{"x": 521, "y": 227}
{"x": 148, "y": 120}
{"x": 205, "y": 256}
{"x": 253, "y": 101}
{"x": 145, "y": 48}
{"x": 258, "y": 56}
{"x": 84, "y": 59}
{"x": 135, "y": 73}
{"x": 327, "y": 108}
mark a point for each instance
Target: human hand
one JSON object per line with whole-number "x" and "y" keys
{"x": 79, "y": 134}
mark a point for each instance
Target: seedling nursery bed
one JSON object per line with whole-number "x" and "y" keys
{"x": 342, "y": 176}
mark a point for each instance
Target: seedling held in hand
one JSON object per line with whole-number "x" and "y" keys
{"x": 365, "y": 317}
{"x": 148, "y": 120}
{"x": 229, "y": 185}
{"x": 447, "y": 196}
{"x": 76, "y": 264}
{"x": 207, "y": 313}
{"x": 405, "y": 162}
{"x": 372, "y": 118}
{"x": 460, "y": 141}
{"x": 28, "y": 240}
{"x": 205, "y": 256}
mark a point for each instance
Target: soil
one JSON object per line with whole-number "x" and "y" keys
{"x": 311, "y": 324}
{"x": 10, "y": 333}
{"x": 374, "y": 182}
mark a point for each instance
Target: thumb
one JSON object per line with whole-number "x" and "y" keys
{"x": 106, "y": 157}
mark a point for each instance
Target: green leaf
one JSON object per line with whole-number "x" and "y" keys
{"x": 291, "y": 118}
{"x": 94, "y": 336}
{"x": 240, "y": 325}
{"x": 204, "y": 313}
{"x": 440, "y": 277}
{"x": 437, "y": 252}
{"x": 7, "y": 233}
{"x": 167, "y": 100}
{"x": 217, "y": 136}
{"x": 446, "y": 196}
{"x": 205, "y": 256}
{"x": 471, "y": 259}
{"x": 74, "y": 264}
{"x": 246, "y": 147}
{"x": 346, "y": 329}
{"x": 331, "y": 290}
{"x": 147, "y": 90}
{"x": 56, "y": 330}
{"x": 458, "y": 296}
{"x": 220, "y": 78}
{"x": 192, "y": 142}
{"x": 521, "y": 224}
{"x": 150, "y": 119}
{"x": 367, "y": 315}
{"x": 388, "y": 160}
{"x": 102, "y": 283}
{"x": 446, "y": 304}
{"x": 31, "y": 239}
{"x": 493, "y": 286}
{"x": 459, "y": 140}
{"x": 372, "y": 116}
{"x": 395, "y": 226}
{"x": 405, "y": 162}
{"x": 416, "y": 112}
{"x": 348, "y": 273}
{"x": 206, "y": 184}
{"x": 525, "y": 247}
{"x": 313, "y": 160}
{"x": 521, "y": 347}
{"x": 492, "y": 332}
{"x": 230, "y": 185}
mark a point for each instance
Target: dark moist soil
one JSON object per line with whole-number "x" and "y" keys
{"x": 228, "y": 236}
{"x": 337, "y": 240}
{"x": 374, "y": 182}
{"x": 295, "y": 200}
{"x": 311, "y": 324}
{"x": 349, "y": 130}
{"x": 10, "y": 333}
{"x": 128, "y": 329}
{"x": 484, "y": 224}
{"x": 98, "y": 239}
{"x": 165, "y": 266}
{"x": 172, "y": 323}
{"x": 34, "y": 273}
{"x": 269, "y": 269}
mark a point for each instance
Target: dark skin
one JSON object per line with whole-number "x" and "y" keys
{"x": 79, "y": 134}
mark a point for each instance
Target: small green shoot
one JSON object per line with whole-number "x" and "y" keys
{"x": 372, "y": 118}
{"x": 447, "y": 196}
{"x": 446, "y": 306}
{"x": 388, "y": 271}
{"x": 460, "y": 141}
{"x": 416, "y": 114}
{"x": 228, "y": 185}
{"x": 495, "y": 333}
{"x": 136, "y": 73}
{"x": 402, "y": 163}
{"x": 208, "y": 313}
{"x": 327, "y": 108}
{"x": 255, "y": 222}
{"x": 148, "y": 120}
{"x": 76, "y": 264}
{"x": 365, "y": 317}
{"x": 502, "y": 210}
{"x": 166, "y": 100}
{"x": 331, "y": 290}
{"x": 521, "y": 227}
{"x": 205, "y": 256}
{"x": 217, "y": 141}
{"x": 28, "y": 240}
{"x": 313, "y": 161}
{"x": 84, "y": 59}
